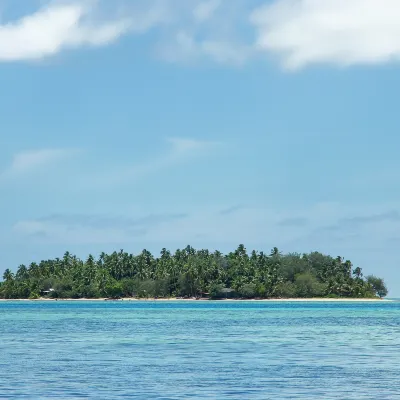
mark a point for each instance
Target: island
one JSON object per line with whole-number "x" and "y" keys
{"x": 194, "y": 274}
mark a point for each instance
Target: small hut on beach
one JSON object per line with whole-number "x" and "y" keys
{"x": 46, "y": 292}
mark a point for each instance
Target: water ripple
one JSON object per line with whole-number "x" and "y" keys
{"x": 221, "y": 350}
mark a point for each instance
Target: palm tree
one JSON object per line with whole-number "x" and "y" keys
{"x": 357, "y": 272}
{"x": 22, "y": 272}
{"x": 275, "y": 252}
{"x": 8, "y": 275}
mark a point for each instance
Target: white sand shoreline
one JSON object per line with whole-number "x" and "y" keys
{"x": 305, "y": 300}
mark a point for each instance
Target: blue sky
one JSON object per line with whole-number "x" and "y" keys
{"x": 144, "y": 123}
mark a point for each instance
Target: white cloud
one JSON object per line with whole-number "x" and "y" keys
{"x": 338, "y": 32}
{"x": 187, "y": 31}
{"x": 71, "y": 24}
{"x": 300, "y": 32}
{"x": 53, "y": 28}
{"x": 29, "y": 161}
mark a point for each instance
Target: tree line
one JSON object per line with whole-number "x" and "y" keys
{"x": 192, "y": 273}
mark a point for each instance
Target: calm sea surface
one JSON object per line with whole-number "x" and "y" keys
{"x": 199, "y": 350}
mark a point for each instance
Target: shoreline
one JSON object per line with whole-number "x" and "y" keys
{"x": 173, "y": 299}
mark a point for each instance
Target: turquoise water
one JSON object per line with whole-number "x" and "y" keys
{"x": 199, "y": 350}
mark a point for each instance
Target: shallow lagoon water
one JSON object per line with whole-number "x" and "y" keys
{"x": 199, "y": 350}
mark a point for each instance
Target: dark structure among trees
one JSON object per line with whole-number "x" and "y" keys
{"x": 190, "y": 273}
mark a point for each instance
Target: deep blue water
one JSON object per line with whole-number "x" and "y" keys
{"x": 199, "y": 350}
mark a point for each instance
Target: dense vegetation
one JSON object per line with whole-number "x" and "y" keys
{"x": 192, "y": 273}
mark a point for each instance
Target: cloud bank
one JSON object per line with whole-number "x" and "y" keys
{"x": 338, "y": 32}
{"x": 298, "y": 32}
{"x": 92, "y": 228}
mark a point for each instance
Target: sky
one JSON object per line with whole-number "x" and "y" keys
{"x": 139, "y": 124}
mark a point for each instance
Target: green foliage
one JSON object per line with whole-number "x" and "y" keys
{"x": 285, "y": 290}
{"x": 191, "y": 273}
{"x": 216, "y": 291}
{"x": 113, "y": 289}
{"x": 307, "y": 285}
{"x": 146, "y": 289}
{"x": 129, "y": 287}
{"x": 378, "y": 285}
{"x": 248, "y": 291}
{"x": 292, "y": 265}
{"x": 64, "y": 289}
{"x": 189, "y": 284}
{"x": 161, "y": 288}
{"x": 261, "y": 290}
{"x": 90, "y": 291}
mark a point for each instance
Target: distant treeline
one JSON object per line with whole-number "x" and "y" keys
{"x": 192, "y": 273}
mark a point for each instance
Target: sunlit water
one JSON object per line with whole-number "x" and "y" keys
{"x": 213, "y": 350}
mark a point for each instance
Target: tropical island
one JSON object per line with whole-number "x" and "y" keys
{"x": 191, "y": 273}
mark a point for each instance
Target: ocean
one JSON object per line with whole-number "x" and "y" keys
{"x": 199, "y": 350}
